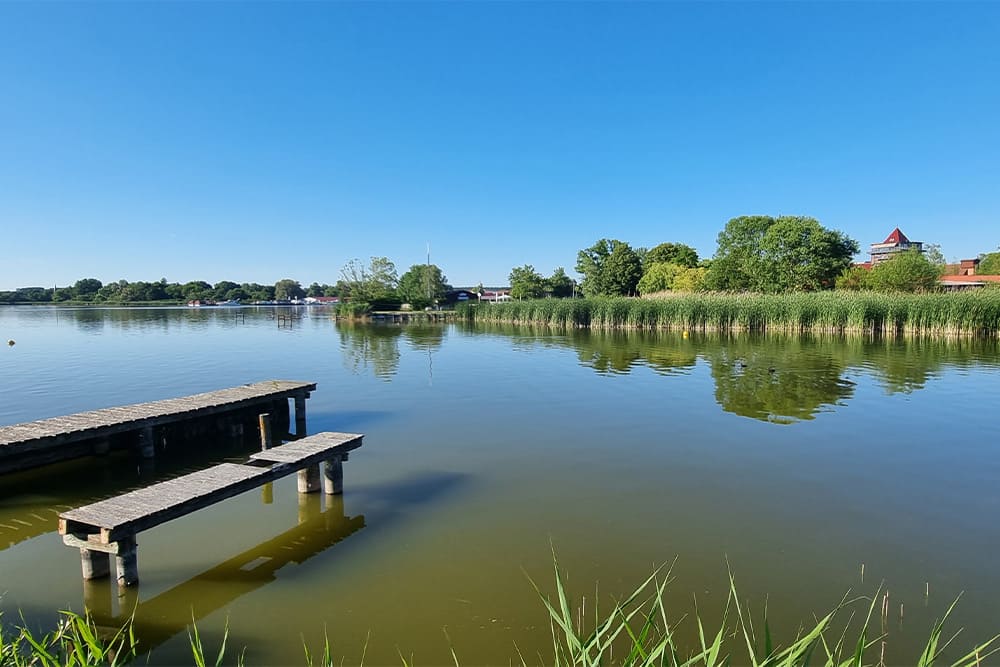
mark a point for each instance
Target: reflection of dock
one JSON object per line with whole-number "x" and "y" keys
{"x": 158, "y": 619}
{"x": 145, "y": 426}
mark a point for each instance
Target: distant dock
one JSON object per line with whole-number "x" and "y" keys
{"x": 147, "y": 427}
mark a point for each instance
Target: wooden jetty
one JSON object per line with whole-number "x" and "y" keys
{"x": 110, "y": 526}
{"x": 146, "y": 426}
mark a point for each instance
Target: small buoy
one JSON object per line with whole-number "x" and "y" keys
{"x": 10, "y": 342}
{"x": 685, "y": 334}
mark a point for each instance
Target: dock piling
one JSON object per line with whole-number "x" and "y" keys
{"x": 147, "y": 446}
{"x": 333, "y": 477}
{"x": 265, "y": 431}
{"x": 300, "y": 416}
{"x": 309, "y": 479}
{"x": 96, "y": 564}
{"x": 127, "y": 562}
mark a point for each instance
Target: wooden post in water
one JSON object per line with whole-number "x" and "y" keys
{"x": 127, "y": 562}
{"x": 96, "y": 564}
{"x": 300, "y": 416}
{"x": 309, "y": 479}
{"x": 265, "y": 431}
{"x": 147, "y": 446}
{"x": 333, "y": 477}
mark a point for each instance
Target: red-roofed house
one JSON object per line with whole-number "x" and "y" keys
{"x": 895, "y": 242}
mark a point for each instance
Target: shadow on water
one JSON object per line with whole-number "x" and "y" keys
{"x": 322, "y": 523}
{"x": 160, "y": 618}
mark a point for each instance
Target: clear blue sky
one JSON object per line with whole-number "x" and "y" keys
{"x": 252, "y": 142}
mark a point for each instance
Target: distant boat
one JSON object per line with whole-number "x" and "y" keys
{"x": 231, "y": 302}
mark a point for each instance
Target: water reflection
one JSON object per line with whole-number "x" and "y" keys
{"x": 158, "y": 619}
{"x": 775, "y": 378}
{"x": 374, "y": 347}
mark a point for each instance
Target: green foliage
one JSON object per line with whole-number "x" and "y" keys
{"x": 526, "y": 283}
{"x": 369, "y": 283}
{"x": 989, "y": 264}
{"x": 854, "y": 278}
{"x": 286, "y": 288}
{"x": 973, "y": 313}
{"x": 609, "y": 268}
{"x": 788, "y": 253}
{"x": 906, "y": 271}
{"x": 76, "y": 642}
{"x": 559, "y": 284}
{"x": 932, "y": 251}
{"x": 690, "y": 280}
{"x": 422, "y": 285}
{"x": 659, "y": 277}
{"x": 671, "y": 253}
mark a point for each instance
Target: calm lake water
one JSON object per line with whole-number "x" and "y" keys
{"x": 797, "y": 459}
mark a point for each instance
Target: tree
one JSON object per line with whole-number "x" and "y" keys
{"x": 559, "y": 284}
{"x": 854, "y": 278}
{"x": 86, "y": 289}
{"x": 690, "y": 280}
{"x": 526, "y": 283}
{"x": 659, "y": 277}
{"x": 989, "y": 264}
{"x": 934, "y": 255}
{"x": 371, "y": 283}
{"x": 286, "y": 288}
{"x": 422, "y": 285}
{"x": 222, "y": 288}
{"x": 609, "y": 268}
{"x": 906, "y": 271}
{"x": 671, "y": 253}
{"x": 195, "y": 290}
{"x": 765, "y": 254}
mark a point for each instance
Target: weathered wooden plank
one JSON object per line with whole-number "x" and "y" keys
{"x": 109, "y": 520}
{"x": 36, "y": 443}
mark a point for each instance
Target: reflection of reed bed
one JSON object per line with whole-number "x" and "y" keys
{"x": 975, "y": 313}
{"x": 636, "y": 630}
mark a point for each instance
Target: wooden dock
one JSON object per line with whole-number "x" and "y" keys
{"x": 148, "y": 426}
{"x": 110, "y": 526}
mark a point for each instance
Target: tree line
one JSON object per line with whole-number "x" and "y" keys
{"x": 758, "y": 253}
{"x": 367, "y": 285}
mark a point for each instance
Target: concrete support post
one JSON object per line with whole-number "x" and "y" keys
{"x": 300, "y": 416}
{"x": 309, "y": 479}
{"x": 127, "y": 562}
{"x": 333, "y": 477}
{"x": 147, "y": 446}
{"x": 96, "y": 564}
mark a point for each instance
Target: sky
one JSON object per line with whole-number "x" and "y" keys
{"x": 258, "y": 141}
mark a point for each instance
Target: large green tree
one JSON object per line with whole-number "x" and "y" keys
{"x": 765, "y": 254}
{"x": 609, "y": 268}
{"x": 906, "y": 271}
{"x": 422, "y": 285}
{"x": 286, "y": 288}
{"x": 559, "y": 284}
{"x": 526, "y": 283}
{"x": 372, "y": 282}
{"x": 671, "y": 253}
{"x": 659, "y": 277}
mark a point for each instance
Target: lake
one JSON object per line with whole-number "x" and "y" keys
{"x": 796, "y": 461}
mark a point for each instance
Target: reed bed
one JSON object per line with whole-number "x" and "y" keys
{"x": 974, "y": 313}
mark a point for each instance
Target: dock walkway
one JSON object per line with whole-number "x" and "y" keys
{"x": 144, "y": 425}
{"x": 110, "y": 526}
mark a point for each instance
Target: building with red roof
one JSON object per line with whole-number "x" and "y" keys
{"x": 895, "y": 242}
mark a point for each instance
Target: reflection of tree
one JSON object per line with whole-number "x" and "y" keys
{"x": 904, "y": 364}
{"x": 374, "y": 345}
{"x": 776, "y": 378}
{"x": 424, "y": 337}
{"x": 619, "y": 352}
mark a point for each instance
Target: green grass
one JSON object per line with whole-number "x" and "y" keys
{"x": 637, "y": 631}
{"x": 973, "y": 313}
